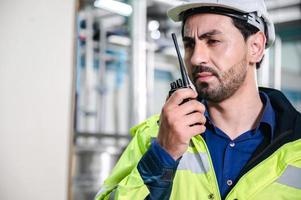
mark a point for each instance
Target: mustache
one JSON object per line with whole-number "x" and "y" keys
{"x": 200, "y": 69}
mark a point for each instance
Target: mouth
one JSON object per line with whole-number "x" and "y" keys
{"x": 203, "y": 76}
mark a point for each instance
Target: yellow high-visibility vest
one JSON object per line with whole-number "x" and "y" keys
{"x": 278, "y": 177}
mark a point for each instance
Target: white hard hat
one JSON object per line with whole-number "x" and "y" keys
{"x": 253, "y": 12}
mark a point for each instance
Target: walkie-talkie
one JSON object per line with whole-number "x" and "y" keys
{"x": 184, "y": 81}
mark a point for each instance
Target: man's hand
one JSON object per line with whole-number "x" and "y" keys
{"x": 180, "y": 122}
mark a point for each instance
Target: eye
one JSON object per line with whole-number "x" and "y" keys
{"x": 213, "y": 42}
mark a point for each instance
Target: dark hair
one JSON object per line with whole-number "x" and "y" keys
{"x": 245, "y": 29}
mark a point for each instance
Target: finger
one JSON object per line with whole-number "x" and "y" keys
{"x": 192, "y": 106}
{"x": 179, "y": 95}
{"x": 194, "y": 118}
{"x": 179, "y": 113}
{"x": 196, "y": 130}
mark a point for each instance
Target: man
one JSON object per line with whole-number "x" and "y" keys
{"x": 231, "y": 140}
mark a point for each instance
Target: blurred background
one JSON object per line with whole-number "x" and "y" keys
{"x": 76, "y": 75}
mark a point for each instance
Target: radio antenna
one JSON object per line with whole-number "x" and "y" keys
{"x": 182, "y": 66}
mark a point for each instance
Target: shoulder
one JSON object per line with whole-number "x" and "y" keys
{"x": 148, "y": 128}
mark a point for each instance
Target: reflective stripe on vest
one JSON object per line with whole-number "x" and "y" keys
{"x": 195, "y": 162}
{"x": 102, "y": 189}
{"x": 291, "y": 177}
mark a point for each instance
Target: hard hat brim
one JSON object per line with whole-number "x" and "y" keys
{"x": 176, "y": 14}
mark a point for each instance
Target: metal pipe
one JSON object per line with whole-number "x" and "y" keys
{"x": 138, "y": 85}
{"x": 264, "y": 77}
{"x": 150, "y": 78}
{"x": 89, "y": 93}
{"x": 101, "y": 112}
{"x": 278, "y": 61}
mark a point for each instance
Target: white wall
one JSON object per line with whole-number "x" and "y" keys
{"x": 36, "y": 72}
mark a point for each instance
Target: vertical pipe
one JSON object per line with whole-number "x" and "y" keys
{"x": 264, "y": 71}
{"x": 78, "y": 118}
{"x": 150, "y": 79}
{"x": 278, "y": 60}
{"x": 81, "y": 99}
{"x": 138, "y": 63}
{"x": 90, "y": 76}
{"x": 101, "y": 111}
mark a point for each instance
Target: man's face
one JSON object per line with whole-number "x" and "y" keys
{"x": 215, "y": 55}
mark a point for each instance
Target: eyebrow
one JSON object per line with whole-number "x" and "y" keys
{"x": 203, "y": 36}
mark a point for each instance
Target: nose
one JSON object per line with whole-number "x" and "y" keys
{"x": 200, "y": 55}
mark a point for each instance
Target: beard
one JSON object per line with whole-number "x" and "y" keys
{"x": 228, "y": 81}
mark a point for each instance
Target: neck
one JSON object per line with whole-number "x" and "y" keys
{"x": 239, "y": 113}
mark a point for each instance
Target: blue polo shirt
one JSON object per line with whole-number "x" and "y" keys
{"x": 228, "y": 156}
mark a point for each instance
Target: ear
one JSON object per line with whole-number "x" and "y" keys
{"x": 256, "y": 46}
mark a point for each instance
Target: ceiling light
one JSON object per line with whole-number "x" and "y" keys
{"x": 155, "y": 34}
{"x": 153, "y": 25}
{"x": 114, "y": 6}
